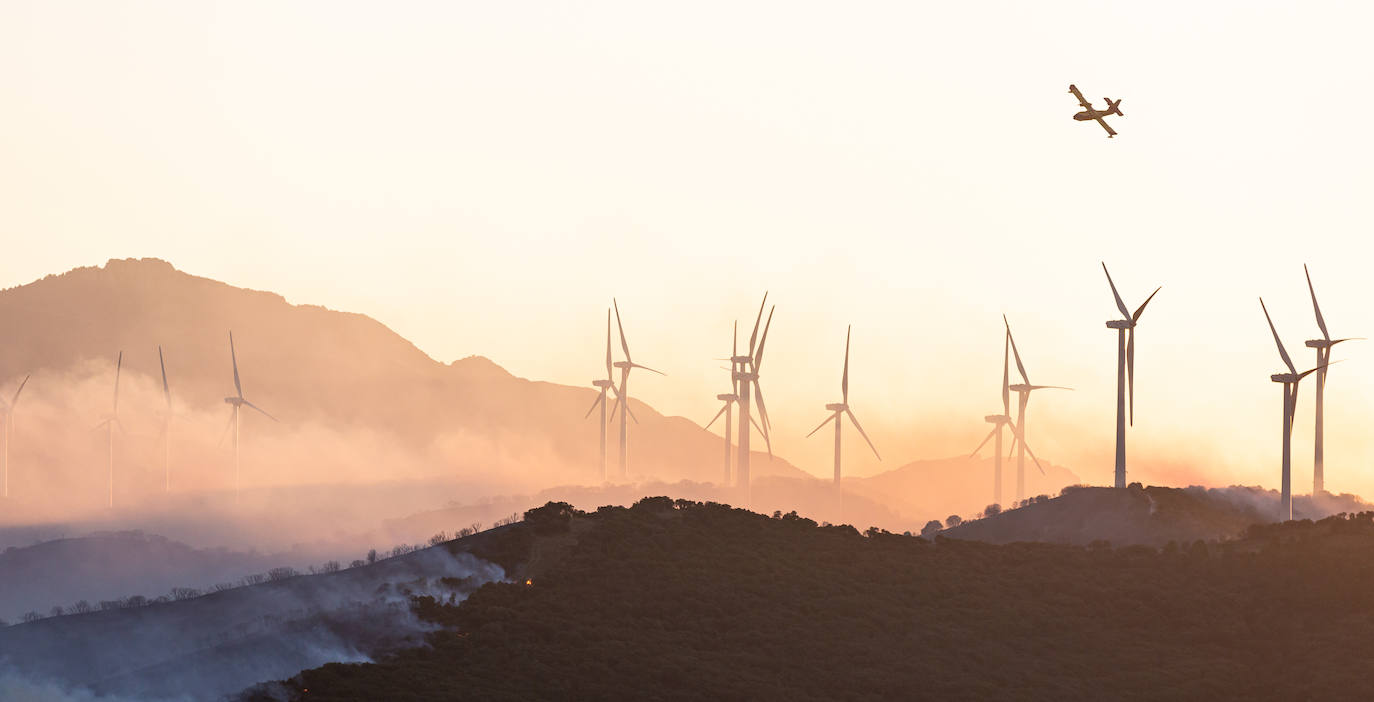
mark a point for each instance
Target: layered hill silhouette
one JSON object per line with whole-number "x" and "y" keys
{"x": 356, "y": 401}
{"x": 960, "y": 485}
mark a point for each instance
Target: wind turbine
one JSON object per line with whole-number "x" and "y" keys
{"x": 166, "y": 425}
{"x": 1290, "y": 408}
{"x": 622, "y": 396}
{"x": 9, "y": 431}
{"x": 111, "y": 421}
{"x": 1323, "y": 347}
{"x": 238, "y": 401}
{"x": 729, "y": 399}
{"x": 998, "y": 421}
{"x": 1023, "y": 391}
{"x": 604, "y": 384}
{"x": 838, "y": 409}
{"x": 745, "y": 370}
{"x": 1125, "y": 371}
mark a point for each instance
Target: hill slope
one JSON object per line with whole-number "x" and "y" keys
{"x": 693, "y": 601}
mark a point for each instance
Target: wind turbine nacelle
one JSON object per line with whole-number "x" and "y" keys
{"x": 741, "y": 359}
{"x": 1284, "y": 378}
{"x": 1120, "y": 324}
{"x": 744, "y": 376}
{"x": 622, "y": 364}
{"x": 1020, "y": 387}
{"x": 996, "y": 419}
{"x": 602, "y": 383}
{"x": 837, "y": 407}
{"x": 231, "y": 400}
{"x": 1317, "y": 343}
{"x": 727, "y": 397}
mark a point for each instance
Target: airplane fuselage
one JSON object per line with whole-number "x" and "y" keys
{"x": 1089, "y": 115}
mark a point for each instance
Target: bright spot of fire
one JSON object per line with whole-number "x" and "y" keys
{"x": 528, "y": 582}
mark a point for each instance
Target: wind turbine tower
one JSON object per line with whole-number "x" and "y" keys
{"x": 746, "y": 373}
{"x": 729, "y": 398}
{"x": 1023, "y": 392}
{"x": 998, "y": 421}
{"x": 1125, "y": 371}
{"x": 838, "y": 411}
{"x": 9, "y": 432}
{"x": 604, "y": 384}
{"x": 1290, "y": 382}
{"x": 622, "y": 397}
{"x": 1323, "y": 347}
{"x": 111, "y": 421}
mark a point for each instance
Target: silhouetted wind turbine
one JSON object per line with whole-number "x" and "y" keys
{"x": 9, "y": 430}
{"x": 729, "y": 399}
{"x": 838, "y": 411}
{"x": 622, "y": 396}
{"x": 166, "y": 425}
{"x": 998, "y": 421}
{"x": 1290, "y": 382}
{"x": 1323, "y": 347}
{"x": 113, "y": 420}
{"x": 603, "y": 385}
{"x": 238, "y": 401}
{"x": 1125, "y": 371}
{"x": 1023, "y": 390}
{"x": 745, "y": 370}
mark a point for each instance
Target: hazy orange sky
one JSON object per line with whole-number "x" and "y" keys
{"x": 483, "y": 177}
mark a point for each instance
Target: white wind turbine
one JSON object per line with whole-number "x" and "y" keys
{"x": 622, "y": 396}
{"x": 1023, "y": 391}
{"x": 1125, "y": 371}
{"x": 729, "y": 399}
{"x": 238, "y": 401}
{"x": 604, "y": 384}
{"x": 838, "y": 411}
{"x": 1323, "y": 347}
{"x": 166, "y": 425}
{"x": 1290, "y": 382}
{"x": 111, "y": 421}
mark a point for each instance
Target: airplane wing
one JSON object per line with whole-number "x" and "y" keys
{"x": 1086, "y": 105}
{"x": 1110, "y": 132}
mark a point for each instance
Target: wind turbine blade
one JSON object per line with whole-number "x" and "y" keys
{"x": 1006, "y": 373}
{"x": 238, "y": 387}
{"x": 1019, "y": 367}
{"x": 1016, "y": 432}
{"x": 832, "y": 416}
{"x": 844, "y": 380}
{"x": 636, "y": 365}
{"x": 608, "y": 343}
{"x": 1130, "y": 371}
{"x": 15, "y": 400}
{"x": 1321, "y": 323}
{"x": 1306, "y": 373}
{"x": 763, "y": 340}
{"x": 263, "y": 411}
{"x": 713, "y": 419}
{"x": 734, "y": 343}
{"x": 227, "y": 424}
{"x": 1119, "y": 304}
{"x": 1049, "y": 387}
{"x": 862, "y": 433}
{"x": 631, "y": 412}
{"x": 1141, "y": 309}
{"x": 600, "y": 397}
{"x": 755, "y": 335}
{"x": 100, "y": 424}
{"x": 623, "y": 346}
{"x": 119, "y": 364}
{"x": 166, "y": 390}
{"x": 615, "y": 407}
{"x": 1011, "y": 450}
{"x": 986, "y": 439}
{"x": 767, "y": 440}
{"x": 763, "y": 409}
{"x": 120, "y": 424}
{"x": 1283, "y": 353}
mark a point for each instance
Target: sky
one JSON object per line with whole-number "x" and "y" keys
{"x": 484, "y": 177}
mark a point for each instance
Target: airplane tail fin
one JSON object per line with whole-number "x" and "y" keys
{"x": 1113, "y": 107}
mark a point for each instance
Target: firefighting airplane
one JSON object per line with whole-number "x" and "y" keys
{"x": 1113, "y": 108}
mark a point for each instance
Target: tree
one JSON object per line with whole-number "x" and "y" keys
{"x": 57, "y": 611}
{"x": 372, "y": 555}
{"x": 32, "y": 616}
{"x": 330, "y": 567}
{"x": 931, "y": 528}
{"x": 357, "y": 563}
{"x": 992, "y": 510}
{"x": 81, "y": 607}
{"x": 953, "y": 520}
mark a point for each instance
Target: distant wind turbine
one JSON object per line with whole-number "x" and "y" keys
{"x": 838, "y": 411}
{"x": 166, "y": 425}
{"x": 238, "y": 401}
{"x": 1023, "y": 391}
{"x": 8, "y": 409}
{"x": 998, "y": 421}
{"x": 1323, "y": 347}
{"x": 745, "y": 370}
{"x": 1290, "y": 382}
{"x": 622, "y": 397}
{"x": 1125, "y": 370}
{"x": 111, "y": 421}
{"x": 729, "y": 399}
{"x": 604, "y": 384}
